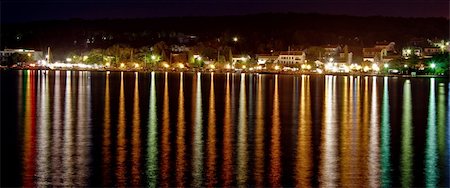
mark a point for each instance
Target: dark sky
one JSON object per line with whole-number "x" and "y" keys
{"x": 30, "y": 10}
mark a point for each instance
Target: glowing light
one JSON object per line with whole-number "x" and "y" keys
{"x": 366, "y": 68}
{"x": 277, "y": 67}
{"x": 85, "y": 58}
{"x": 308, "y": 67}
{"x": 320, "y": 71}
{"x": 122, "y": 65}
{"x": 375, "y": 67}
{"x": 386, "y": 65}
{"x": 32, "y": 65}
{"x": 29, "y": 54}
{"x": 227, "y": 66}
{"x": 153, "y": 57}
{"x": 181, "y": 65}
{"x": 136, "y": 65}
{"x": 235, "y": 39}
{"x": 107, "y": 64}
{"x": 433, "y": 65}
{"x": 69, "y": 59}
{"x": 406, "y": 66}
{"x": 244, "y": 67}
{"x": 165, "y": 65}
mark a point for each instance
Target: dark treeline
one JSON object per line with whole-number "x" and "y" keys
{"x": 258, "y": 33}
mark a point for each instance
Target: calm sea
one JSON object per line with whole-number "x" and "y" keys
{"x": 74, "y": 128}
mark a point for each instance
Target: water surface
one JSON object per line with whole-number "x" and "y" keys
{"x": 74, "y": 128}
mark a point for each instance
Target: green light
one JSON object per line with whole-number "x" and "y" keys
{"x": 385, "y": 139}
{"x": 431, "y": 159}
{"x": 433, "y": 65}
{"x": 152, "y": 150}
{"x": 406, "y": 148}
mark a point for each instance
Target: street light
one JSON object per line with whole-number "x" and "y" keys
{"x": 235, "y": 39}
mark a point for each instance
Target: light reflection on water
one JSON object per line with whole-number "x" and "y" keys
{"x": 188, "y": 129}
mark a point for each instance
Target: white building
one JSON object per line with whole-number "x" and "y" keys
{"x": 35, "y": 55}
{"x": 291, "y": 57}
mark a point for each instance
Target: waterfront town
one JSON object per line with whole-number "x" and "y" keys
{"x": 418, "y": 57}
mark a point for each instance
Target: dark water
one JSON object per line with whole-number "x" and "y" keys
{"x": 187, "y": 129}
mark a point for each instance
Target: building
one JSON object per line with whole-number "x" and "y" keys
{"x": 331, "y": 50}
{"x": 428, "y": 52}
{"x": 288, "y": 58}
{"x": 262, "y": 59}
{"x": 240, "y": 59}
{"x": 407, "y": 52}
{"x": 35, "y": 55}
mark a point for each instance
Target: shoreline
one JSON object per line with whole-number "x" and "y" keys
{"x": 233, "y": 71}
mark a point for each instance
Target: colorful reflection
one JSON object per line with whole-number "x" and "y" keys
{"x": 227, "y": 167}
{"x": 197, "y": 158}
{"x": 385, "y": 138}
{"x": 152, "y": 147}
{"x": 69, "y": 131}
{"x": 83, "y": 129}
{"x": 29, "y": 131}
{"x": 136, "y": 136}
{"x": 165, "y": 134}
{"x": 181, "y": 150}
{"x": 121, "y": 171}
{"x": 407, "y": 149}
{"x": 259, "y": 136}
{"x": 374, "y": 151}
{"x": 43, "y": 135}
{"x": 304, "y": 154}
{"x": 431, "y": 156}
{"x": 328, "y": 174}
{"x": 211, "y": 164}
{"x": 242, "y": 150}
{"x": 106, "y": 149}
{"x": 275, "y": 154}
{"x": 57, "y": 130}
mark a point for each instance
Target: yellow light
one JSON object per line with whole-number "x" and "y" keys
{"x": 181, "y": 65}
{"x": 85, "y": 58}
{"x": 108, "y": 64}
{"x": 29, "y": 54}
{"x": 227, "y": 66}
{"x": 243, "y": 66}
{"x": 235, "y": 39}
{"x": 212, "y": 66}
{"x": 165, "y": 65}
{"x": 308, "y": 67}
{"x": 122, "y": 65}
{"x": 366, "y": 68}
{"x": 136, "y": 65}
{"x": 277, "y": 67}
{"x": 32, "y": 65}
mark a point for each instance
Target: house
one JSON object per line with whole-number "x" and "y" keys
{"x": 331, "y": 50}
{"x": 35, "y": 55}
{"x": 265, "y": 58}
{"x": 291, "y": 57}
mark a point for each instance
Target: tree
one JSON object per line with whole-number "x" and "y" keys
{"x": 314, "y": 53}
{"x": 95, "y": 56}
{"x": 161, "y": 49}
{"x": 440, "y": 63}
{"x": 17, "y": 58}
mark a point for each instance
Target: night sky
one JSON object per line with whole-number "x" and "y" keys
{"x": 32, "y": 10}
